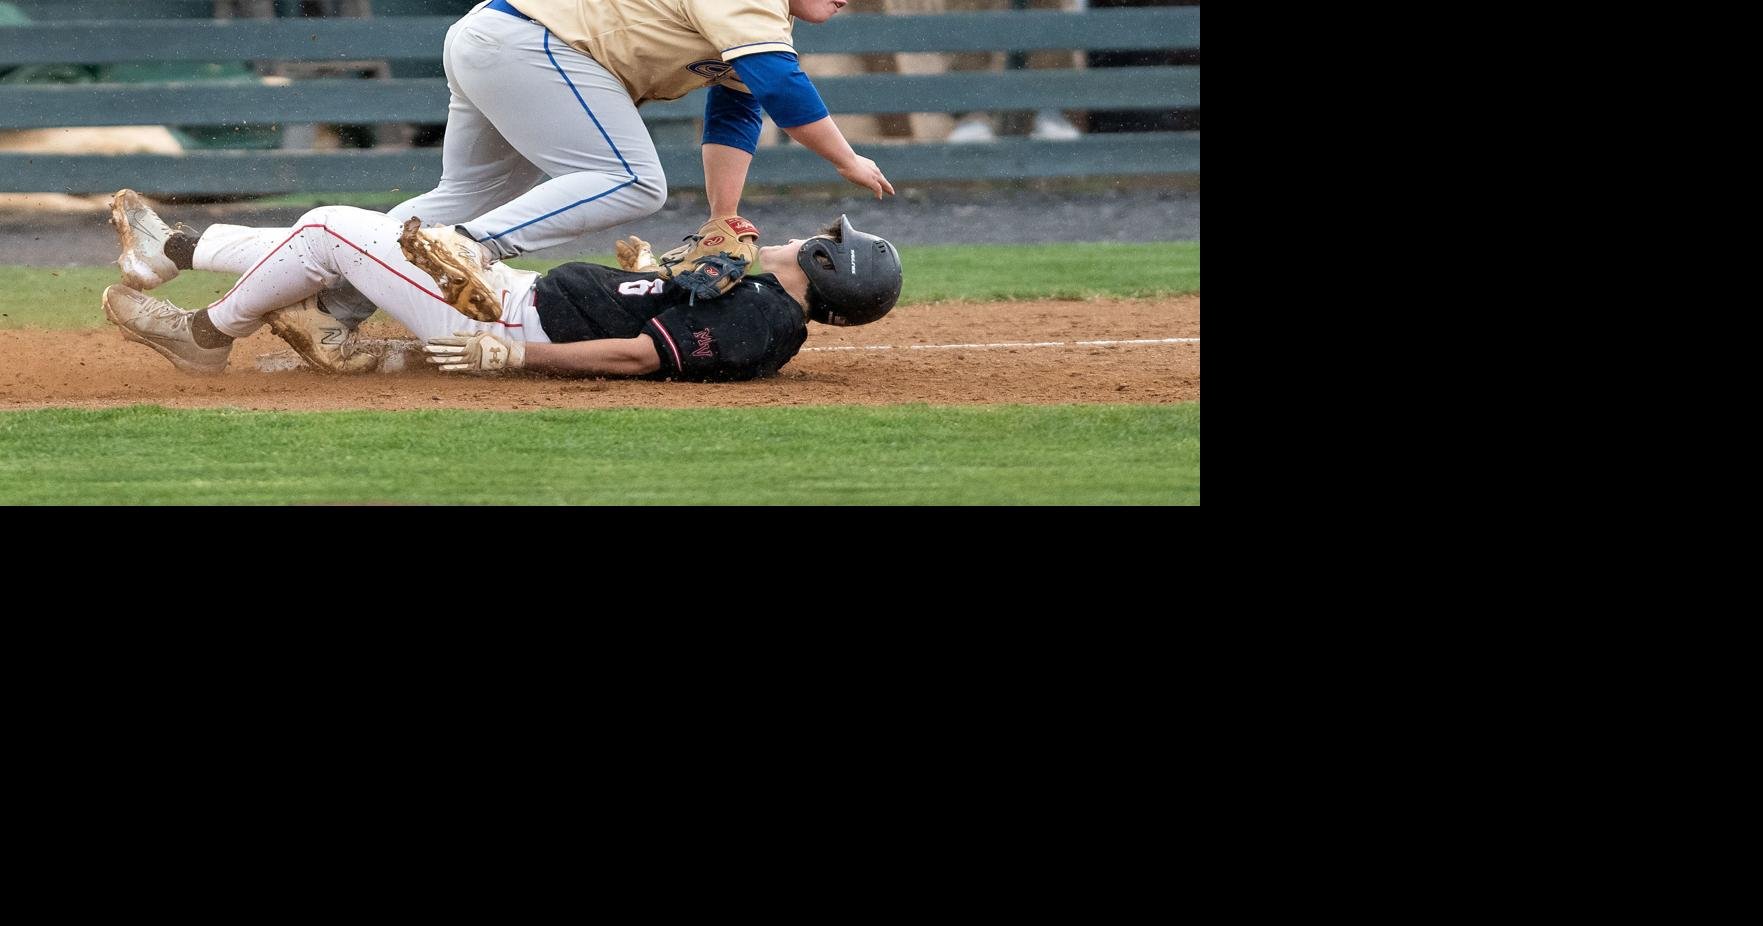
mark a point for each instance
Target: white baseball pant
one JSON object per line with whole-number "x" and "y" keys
{"x": 327, "y": 246}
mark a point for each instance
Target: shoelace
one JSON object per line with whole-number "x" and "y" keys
{"x": 138, "y": 221}
{"x": 159, "y": 308}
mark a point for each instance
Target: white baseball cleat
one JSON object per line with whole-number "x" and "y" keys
{"x": 142, "y": 235}
{"x": 457, "y": 263}
{"x": 326, "y": 344}
{"x": 163, "y": 327}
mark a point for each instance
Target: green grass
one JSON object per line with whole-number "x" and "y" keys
{"x": 987, "y": 272}
{"x": 67, "y": 297}
{"x": 900, "y": 455}
{"x": 41, "y": 297}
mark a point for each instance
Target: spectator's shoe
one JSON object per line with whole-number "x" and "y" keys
{"x": 326, "y": 344}
{"x": 457, "y": 263}
{"x": 163, "y": 327}
{"x": 972, "y": 129}
{"x": 1051, "y": 126}
{"x": 142, "y": 236}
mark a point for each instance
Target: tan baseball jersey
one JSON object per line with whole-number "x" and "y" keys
{"x": 665, "y": 49}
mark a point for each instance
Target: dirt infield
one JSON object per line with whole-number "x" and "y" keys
{"x": 96, "y": 368}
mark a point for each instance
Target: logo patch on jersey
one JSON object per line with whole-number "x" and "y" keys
{"x": 711, "y": 69}
{"x": 704, "y": 341}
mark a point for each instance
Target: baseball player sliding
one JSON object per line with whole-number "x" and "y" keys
{"x": 544, "y": 143}
{"x": 694, "y": 313}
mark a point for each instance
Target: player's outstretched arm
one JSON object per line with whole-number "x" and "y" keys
{"x": 607, "y": 357}
{"x": 824, "y": 138}
{"x": 779, "y": 87}
{"x": 488, "y": 352}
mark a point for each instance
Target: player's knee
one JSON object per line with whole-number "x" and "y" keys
{"x": 651, "y": 193}
{"x": 323, "y": 215}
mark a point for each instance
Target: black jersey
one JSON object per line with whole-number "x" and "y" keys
{"x": 747, "y": 332}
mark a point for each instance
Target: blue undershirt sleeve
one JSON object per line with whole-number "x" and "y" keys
{"x": 777, "y": 82}
{"x": 731, "y": 118}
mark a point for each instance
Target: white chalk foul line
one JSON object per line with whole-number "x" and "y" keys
{"x": 283, "y": 361}
{"x": 1009, "y": 344}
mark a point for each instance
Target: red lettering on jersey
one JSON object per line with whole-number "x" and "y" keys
{"x": 704, "y": 342}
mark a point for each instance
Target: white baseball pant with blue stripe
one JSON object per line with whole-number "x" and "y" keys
{"x": 543, "y": 144}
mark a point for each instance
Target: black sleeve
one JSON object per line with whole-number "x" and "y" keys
{"x": 738, "y": 336}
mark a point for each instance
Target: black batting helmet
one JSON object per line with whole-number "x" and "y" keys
{"x": 851, "y": 281}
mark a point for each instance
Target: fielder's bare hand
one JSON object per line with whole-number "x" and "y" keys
{"x": 475, "y": 352}
{"x": 635, "y": 254}
{"x": 865, "y": 173}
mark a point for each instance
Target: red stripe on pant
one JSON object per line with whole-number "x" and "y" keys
{"x": 365, "y": 253}
{"x": 327, "y": 228}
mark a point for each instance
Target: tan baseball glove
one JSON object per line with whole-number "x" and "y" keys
{"x": 635, "y": 254}
{"x": 709, "y": 264}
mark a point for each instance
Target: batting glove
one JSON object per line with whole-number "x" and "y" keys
{"x": 475, "y": 352}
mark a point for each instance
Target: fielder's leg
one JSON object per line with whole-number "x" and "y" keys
{"x": 480, "y": 170}
{"x": 563, "y": 112}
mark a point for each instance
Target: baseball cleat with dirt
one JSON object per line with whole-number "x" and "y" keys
{"x": 163, "y": 327}
{"x": 457, "y": 264}
{"x": 326, "y": 344}
{"x": 141, "y": 235}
